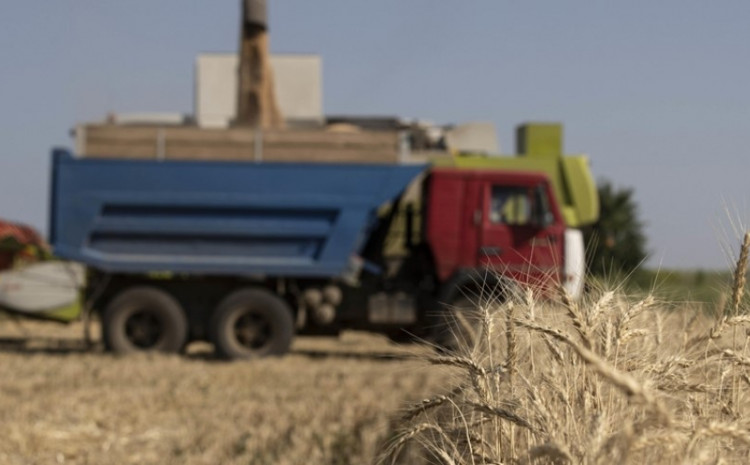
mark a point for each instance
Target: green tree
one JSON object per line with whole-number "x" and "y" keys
{"x": 615, "y": 244}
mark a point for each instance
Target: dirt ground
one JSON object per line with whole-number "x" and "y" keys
{"x": 330, "y": 401}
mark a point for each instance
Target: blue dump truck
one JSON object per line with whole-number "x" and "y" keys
{"x": 246, "y": 255}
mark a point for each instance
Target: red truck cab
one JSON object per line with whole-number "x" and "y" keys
{"x": 507, "y": 222}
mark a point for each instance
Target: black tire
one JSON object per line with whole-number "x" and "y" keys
{"x": 143, "y": 319}
{"x": 458, "y": 325}
{"x": 252, "y": 323}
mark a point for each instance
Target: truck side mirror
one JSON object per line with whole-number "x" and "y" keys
{"x": 547, "y": 219}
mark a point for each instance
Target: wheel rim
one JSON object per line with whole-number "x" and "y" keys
{"x": 143, "y": 329}
{"x": 252, "y": 330}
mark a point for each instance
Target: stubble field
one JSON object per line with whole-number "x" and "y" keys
{"x": 329, "y": 402}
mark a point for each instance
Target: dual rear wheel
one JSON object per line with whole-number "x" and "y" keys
{"x": 144, "y": 319}
{"x": 252, "y": 323}
{"x": 248, "y": 323}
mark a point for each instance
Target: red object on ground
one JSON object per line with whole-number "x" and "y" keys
{"x": 13, "y": 240}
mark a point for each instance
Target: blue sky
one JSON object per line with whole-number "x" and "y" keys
{"x": 657, "y": 93}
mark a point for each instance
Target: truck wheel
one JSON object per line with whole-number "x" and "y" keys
{"x": 458, "y": 326}
{"x": 252, "y": 323}
{"x": 144, "y": 319}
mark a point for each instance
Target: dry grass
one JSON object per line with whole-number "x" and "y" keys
{"x": 610, "y": 380}
{"x": 329, "y": 402}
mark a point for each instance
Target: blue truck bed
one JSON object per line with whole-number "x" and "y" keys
{"x": 273, "y": 219}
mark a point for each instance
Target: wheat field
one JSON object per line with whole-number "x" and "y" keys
{"x": 611, "y": 379}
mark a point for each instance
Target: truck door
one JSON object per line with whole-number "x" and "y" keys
{"x": 520, "y": 235}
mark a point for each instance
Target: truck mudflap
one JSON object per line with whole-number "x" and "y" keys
{"x": 575, "y": 263}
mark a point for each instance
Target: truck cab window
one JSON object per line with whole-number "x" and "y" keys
{"x": 520, "y": 206}
{"x": 511, "y": 205}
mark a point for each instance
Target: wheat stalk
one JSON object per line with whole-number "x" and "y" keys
{"x": 740, "y": 276}
{"x": 623, "y": 381}
{"x": 500, "y": 413}
{"x": 411, "y": 433}
{"x": 556, "y": 453}
{"x": 574, "y": 313}
{"x": 477, "y": 373}
{"x": 511, "y": 361}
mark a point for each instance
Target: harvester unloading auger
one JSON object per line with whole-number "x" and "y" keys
{"x": 256, "y": 97}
